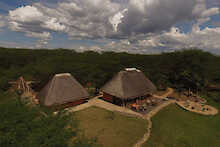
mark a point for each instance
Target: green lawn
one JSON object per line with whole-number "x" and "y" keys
{"x": 110, "y": 129}
{"x": 174, "y": 127}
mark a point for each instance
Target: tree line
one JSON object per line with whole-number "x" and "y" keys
{"x": 191, "y": 68}
{"x": 22, "y": 125}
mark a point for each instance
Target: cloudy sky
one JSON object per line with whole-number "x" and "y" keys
{"x": 135, "y": 26}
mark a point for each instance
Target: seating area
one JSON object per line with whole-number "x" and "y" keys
{"x": 192, "y": 97}
{"x": 196, "y": 107}
{"x": 144, "y": 106}
{"x": 185, "y": 96}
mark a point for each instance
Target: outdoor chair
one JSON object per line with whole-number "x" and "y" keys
{"x": 141, "y": 108}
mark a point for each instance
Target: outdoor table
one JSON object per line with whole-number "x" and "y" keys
{"x": 135, "y": 106}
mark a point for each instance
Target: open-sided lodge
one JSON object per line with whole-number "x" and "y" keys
{"x": 62, "y": 89}
{"x": 128, "y": 85}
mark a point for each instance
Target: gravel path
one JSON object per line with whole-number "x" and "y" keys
{"x": 151, "y": 114}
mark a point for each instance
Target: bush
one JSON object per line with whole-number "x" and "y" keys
{"x": 24, "y": 126}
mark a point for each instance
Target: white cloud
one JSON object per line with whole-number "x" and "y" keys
{"x": 117, "y": 19}
{"x": 205, "y": 15}
{"x": 142, "y": 25}
{"x": 43, "y": 35}
{"x": 2, "y": 21}
{"x": 2, "y": 24}
{"x": 26, "y": 14}
{"x": 210, "y": 12}
{"x": 108, "y": 18}
{"x": 33, "y": 23}
{"x": 212, "y": 3}
{"x": 53, "y": 24}
{"x": 207, "y": 39}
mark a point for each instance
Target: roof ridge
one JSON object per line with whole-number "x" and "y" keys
{"x": 62, "y": 74}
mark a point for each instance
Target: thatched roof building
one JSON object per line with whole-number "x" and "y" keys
{"x": 62, "y": 89}
{"x": 129, "y": 84}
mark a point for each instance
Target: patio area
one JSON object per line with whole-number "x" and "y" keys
{"x": 146, "y": 105}
{"x": 196, "y": 107}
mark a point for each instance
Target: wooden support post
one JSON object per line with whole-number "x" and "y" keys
{"x": 22, "y": 83}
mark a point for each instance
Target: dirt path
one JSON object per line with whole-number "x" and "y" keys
{"x": 111, "y": 107}
{"x": 102, "y": 104}
{"x": 151, "y": 114}
{"x": 169, "y": 91}
{"x": 82, "y": 106}
{"x": 148, "y": 118}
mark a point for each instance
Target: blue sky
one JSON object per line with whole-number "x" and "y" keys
{"x": 60, "y": 40}
{"x": 110, "y": 25}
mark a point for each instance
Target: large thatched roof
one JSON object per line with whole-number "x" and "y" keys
{"x": 62, "y": 88}
{"x": 129, "y": 84}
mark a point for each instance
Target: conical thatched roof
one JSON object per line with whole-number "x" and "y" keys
{"x": 129, "y": 84}
{"x": 63, "y": 88}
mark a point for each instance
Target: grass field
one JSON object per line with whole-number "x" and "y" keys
{"x": 110, "y": 129}
{"x": 174, "y": 127}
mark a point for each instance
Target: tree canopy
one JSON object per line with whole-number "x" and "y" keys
{"x": 182, "y": 69}
{"x": 25, "y": 126}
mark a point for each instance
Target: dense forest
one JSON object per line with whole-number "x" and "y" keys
{"x": 22, "y": 125}
{"x": 192, "y": 68}
{"x": 25, "y": 126}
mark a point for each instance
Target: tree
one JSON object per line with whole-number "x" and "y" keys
{"x": 25, "y": 126}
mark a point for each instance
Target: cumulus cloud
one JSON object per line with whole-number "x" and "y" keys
{"x": 33, "y": 23}
{"x": 147, "y": 16}
{"x": 141, "y": 25}
{"x": 210, "y": 12}
{"x": 2, "y": 21}
{"x": 107, "y": 18}
{"x": 207, "y": 39}
{"x": 205, "y": 15}
{"x": 212, "y": 3}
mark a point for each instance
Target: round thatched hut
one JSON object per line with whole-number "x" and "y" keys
{"x": 127, "y": 85}
{"x": 62, "y": 89}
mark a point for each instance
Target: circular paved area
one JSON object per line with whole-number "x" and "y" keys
{"x": 198, "y": 108}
